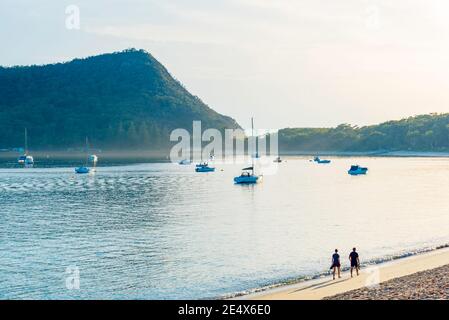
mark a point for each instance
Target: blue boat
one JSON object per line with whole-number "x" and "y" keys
{"x": 356, "y": 170}
{"x": 247, "y": 177}
{"x": 82, "y": 170}
{"x": 204, "y": 167}
{"x": 323, "y": 161}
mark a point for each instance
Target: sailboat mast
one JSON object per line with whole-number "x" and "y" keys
{"x": 26, "y": 141}
{"x": 252, "y": 137}
{"x": 87, "y": 151}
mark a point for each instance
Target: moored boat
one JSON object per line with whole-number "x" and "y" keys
{"x": 321, "y": 161}
{"x": 85, "y": 169}
{"x": 185, "y": 162}
{"x": 26, "y": 159}
{"x": 356, "y": 170}
{"x": 247, "y": 177}
{"x": 204, "y": 167}
{"x": 82, "y": 170}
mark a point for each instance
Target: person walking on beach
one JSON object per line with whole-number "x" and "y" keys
{"x": 336, "y": 264}
{"x": 355, "y": 262}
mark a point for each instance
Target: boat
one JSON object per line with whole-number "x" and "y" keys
{"x": 185, "y": 162}
{"x": 84, "y": 169}
{"x": 204, "y": 167}
{"x": 277, "y": 160}
{"x": 29, "y": 161}
{"x": 318, "y": 160}
{"x": 26, "y": 159}
{"x": 356, "y": 170}
{"x": 248, "y": 176}
{"x": 93, "y": 158}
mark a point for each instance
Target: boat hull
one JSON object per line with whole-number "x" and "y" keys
{"x": 246, "y": 179}
{"x": 82, "y": 170}
{"x": 358, "y": 171}
{"x": 204, "y": 169}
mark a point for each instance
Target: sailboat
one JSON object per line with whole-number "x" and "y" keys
{"x": 26, "y": 159}
{"x": 84, "y": 169}
{"x": 255, "y": 155}
{"x": 248, "y": 175}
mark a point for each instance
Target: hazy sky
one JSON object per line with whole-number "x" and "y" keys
{"x": 286, "y": 62}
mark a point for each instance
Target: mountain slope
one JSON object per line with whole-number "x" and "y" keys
{"x": 120, "y": 100}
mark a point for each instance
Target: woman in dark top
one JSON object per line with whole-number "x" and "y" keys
{"x": 336, "y": 263}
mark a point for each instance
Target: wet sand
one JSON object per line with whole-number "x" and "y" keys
{"x": 407, "y": 278}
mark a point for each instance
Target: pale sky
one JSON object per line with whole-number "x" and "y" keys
{"x": 288, "y": 63}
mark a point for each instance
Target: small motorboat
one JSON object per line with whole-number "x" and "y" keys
{"x": 277, "y": 160}
{"x": 82, "y": 170}
{"x": 318, "y": 160}
{"x": 185, "y": 162}
{"x": 247, "y": 177}
{"x": 356, "y": 170}
{"x": 204, "y": 167}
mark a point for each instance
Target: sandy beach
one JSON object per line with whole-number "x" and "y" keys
{"x": 399, "y": 279}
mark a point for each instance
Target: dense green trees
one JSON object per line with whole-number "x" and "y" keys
{"x": 419, "y": 133}
{"x": 124, "y": 100}
{"x": 128, "y": 100}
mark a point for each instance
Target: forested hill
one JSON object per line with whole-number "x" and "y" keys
{"x": 123, "y": 100}
{"x": 419, "y": 133}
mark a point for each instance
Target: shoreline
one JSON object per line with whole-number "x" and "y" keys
{"x": 380, "y": 154}
{"x": 163, "y": 154}
{"x": 370, "y": 277}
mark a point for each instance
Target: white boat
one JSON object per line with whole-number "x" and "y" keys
{"x": 185, "y": 162}
{"x": 26, "y": 159}
{"x": 93, "y": 158}
{"x": 248, "y": 175}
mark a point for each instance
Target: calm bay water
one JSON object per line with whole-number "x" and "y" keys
{"x": 162, "y": 231}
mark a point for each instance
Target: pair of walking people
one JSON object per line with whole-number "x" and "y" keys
{"x": 353, "y": 258}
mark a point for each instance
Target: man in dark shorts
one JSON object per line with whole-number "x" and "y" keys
{"x": 336, "y": 263}
{"x": 355, "y": 262}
